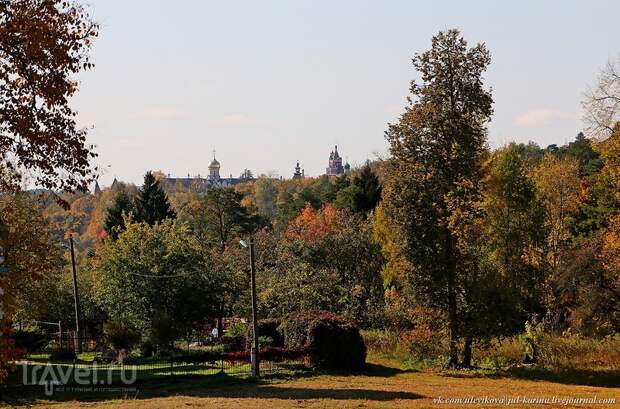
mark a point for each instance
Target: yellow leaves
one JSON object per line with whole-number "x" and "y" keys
{"x": 558, "y": 182}
{"x": 394, "y": 270}
{"x": 559, "y": 187}
{"x": 611, "y": 247}
{"x": 610, "y": 153}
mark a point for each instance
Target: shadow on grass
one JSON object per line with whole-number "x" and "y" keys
{"x": 218, "y": 386}
{"x": 375, "y": 370}
{"x": 602, "y": 378}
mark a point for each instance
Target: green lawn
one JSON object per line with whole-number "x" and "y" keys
{"x": 38, "y": 368}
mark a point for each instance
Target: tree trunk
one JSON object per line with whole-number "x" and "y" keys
{"x": 452, "y": 318}
{"x": 452, "y": 308}
{"x": 467, "y": 352}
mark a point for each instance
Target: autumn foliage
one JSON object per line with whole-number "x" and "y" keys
{"x": 8, "y": 352}
{"x": 43, "y": 45}
{"x": 312, "y": 225}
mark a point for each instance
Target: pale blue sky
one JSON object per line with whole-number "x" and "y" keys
{"x": 266, "y": 83}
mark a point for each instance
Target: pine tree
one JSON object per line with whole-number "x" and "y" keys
{"x": 122, "y": 206}
{"x": 152, "y": 205}
{"x": 368, "y": 183}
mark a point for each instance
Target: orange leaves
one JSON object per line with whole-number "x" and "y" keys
{"x": 45, "y": 43}
{"x": 312, "y": 225}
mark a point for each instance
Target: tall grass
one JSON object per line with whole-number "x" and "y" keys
{"x": 555, "y": 351}
{"x": 577, "y": 352}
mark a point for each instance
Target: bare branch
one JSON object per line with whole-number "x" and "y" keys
{"x": 602, "y": 103}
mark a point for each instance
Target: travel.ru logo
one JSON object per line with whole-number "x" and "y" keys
{"x": 83, "y": 378}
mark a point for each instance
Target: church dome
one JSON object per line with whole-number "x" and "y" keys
{"x": 214, "y": 164}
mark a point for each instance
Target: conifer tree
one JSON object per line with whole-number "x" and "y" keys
{"x": 152, "y": 205}
{"x": 114, "y": 222}
{"x": 368, "y": 183}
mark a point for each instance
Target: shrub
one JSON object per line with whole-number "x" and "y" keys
{"x": 199, "y": 358}
{"x": 239, "y": 329}
{"x": 380, "y": 341}
{"x": 147, "y": 349}
{"x": 267, "y": 328}
{"x": 572, "y": 351}
{"x": 275, "y": 354}
{"x": 33, "y": 340}
{"x": 329, "y": 339}
{"x": 267, "y": 354}
{"x": 231, "y": 344}
{"x": 120, "y": 336}
{"x": 423, "y": 343}
{"x": 264, "y": 342}
{"x": 237, "y": 356}
{"x": 557, "y": 352}
{"x": 501, "y": 353}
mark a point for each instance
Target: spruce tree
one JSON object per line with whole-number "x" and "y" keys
{"x": 152, "y": 205}
{"x": 370, "y": 189}
{"x": 114, "y": 223}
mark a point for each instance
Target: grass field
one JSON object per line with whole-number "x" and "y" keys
{"x": 38, "y": 368}
{"x": 381, "y": 385}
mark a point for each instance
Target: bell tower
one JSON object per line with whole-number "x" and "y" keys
{"x": 214, "y": 169}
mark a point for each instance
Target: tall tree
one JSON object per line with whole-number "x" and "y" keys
{"x": 611, "y": 240}
{"x": 157, "y": 270}
{"x": 558, "y": 187}
{"x": 589, "y": 280}
{"x": 351, "y": 198}
{"x": 513, "y": 226}
{"x": 370, "y": 188}
{"x": 225, "y": 217}
{"x": 438, "y": 147}
{"x": 30, "y": 253}
{"x": 121, "y": 207}
{"x": 215, "y": 220}
{"x": 327, "y": 259}
{"x": 43, "y": 45}
{"x": 581, "y": 149}
{"x": 602, "y": 103}
{"x": 335, "y": 185}
{"x": 265, "y": 196}
{"x": 152, "y": 205}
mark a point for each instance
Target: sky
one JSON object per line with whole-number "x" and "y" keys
{"x": 268, "y": 83}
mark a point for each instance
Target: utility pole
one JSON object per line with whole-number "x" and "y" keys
{"x": 254, "y": 354}
{"x": 76, "y": 301}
